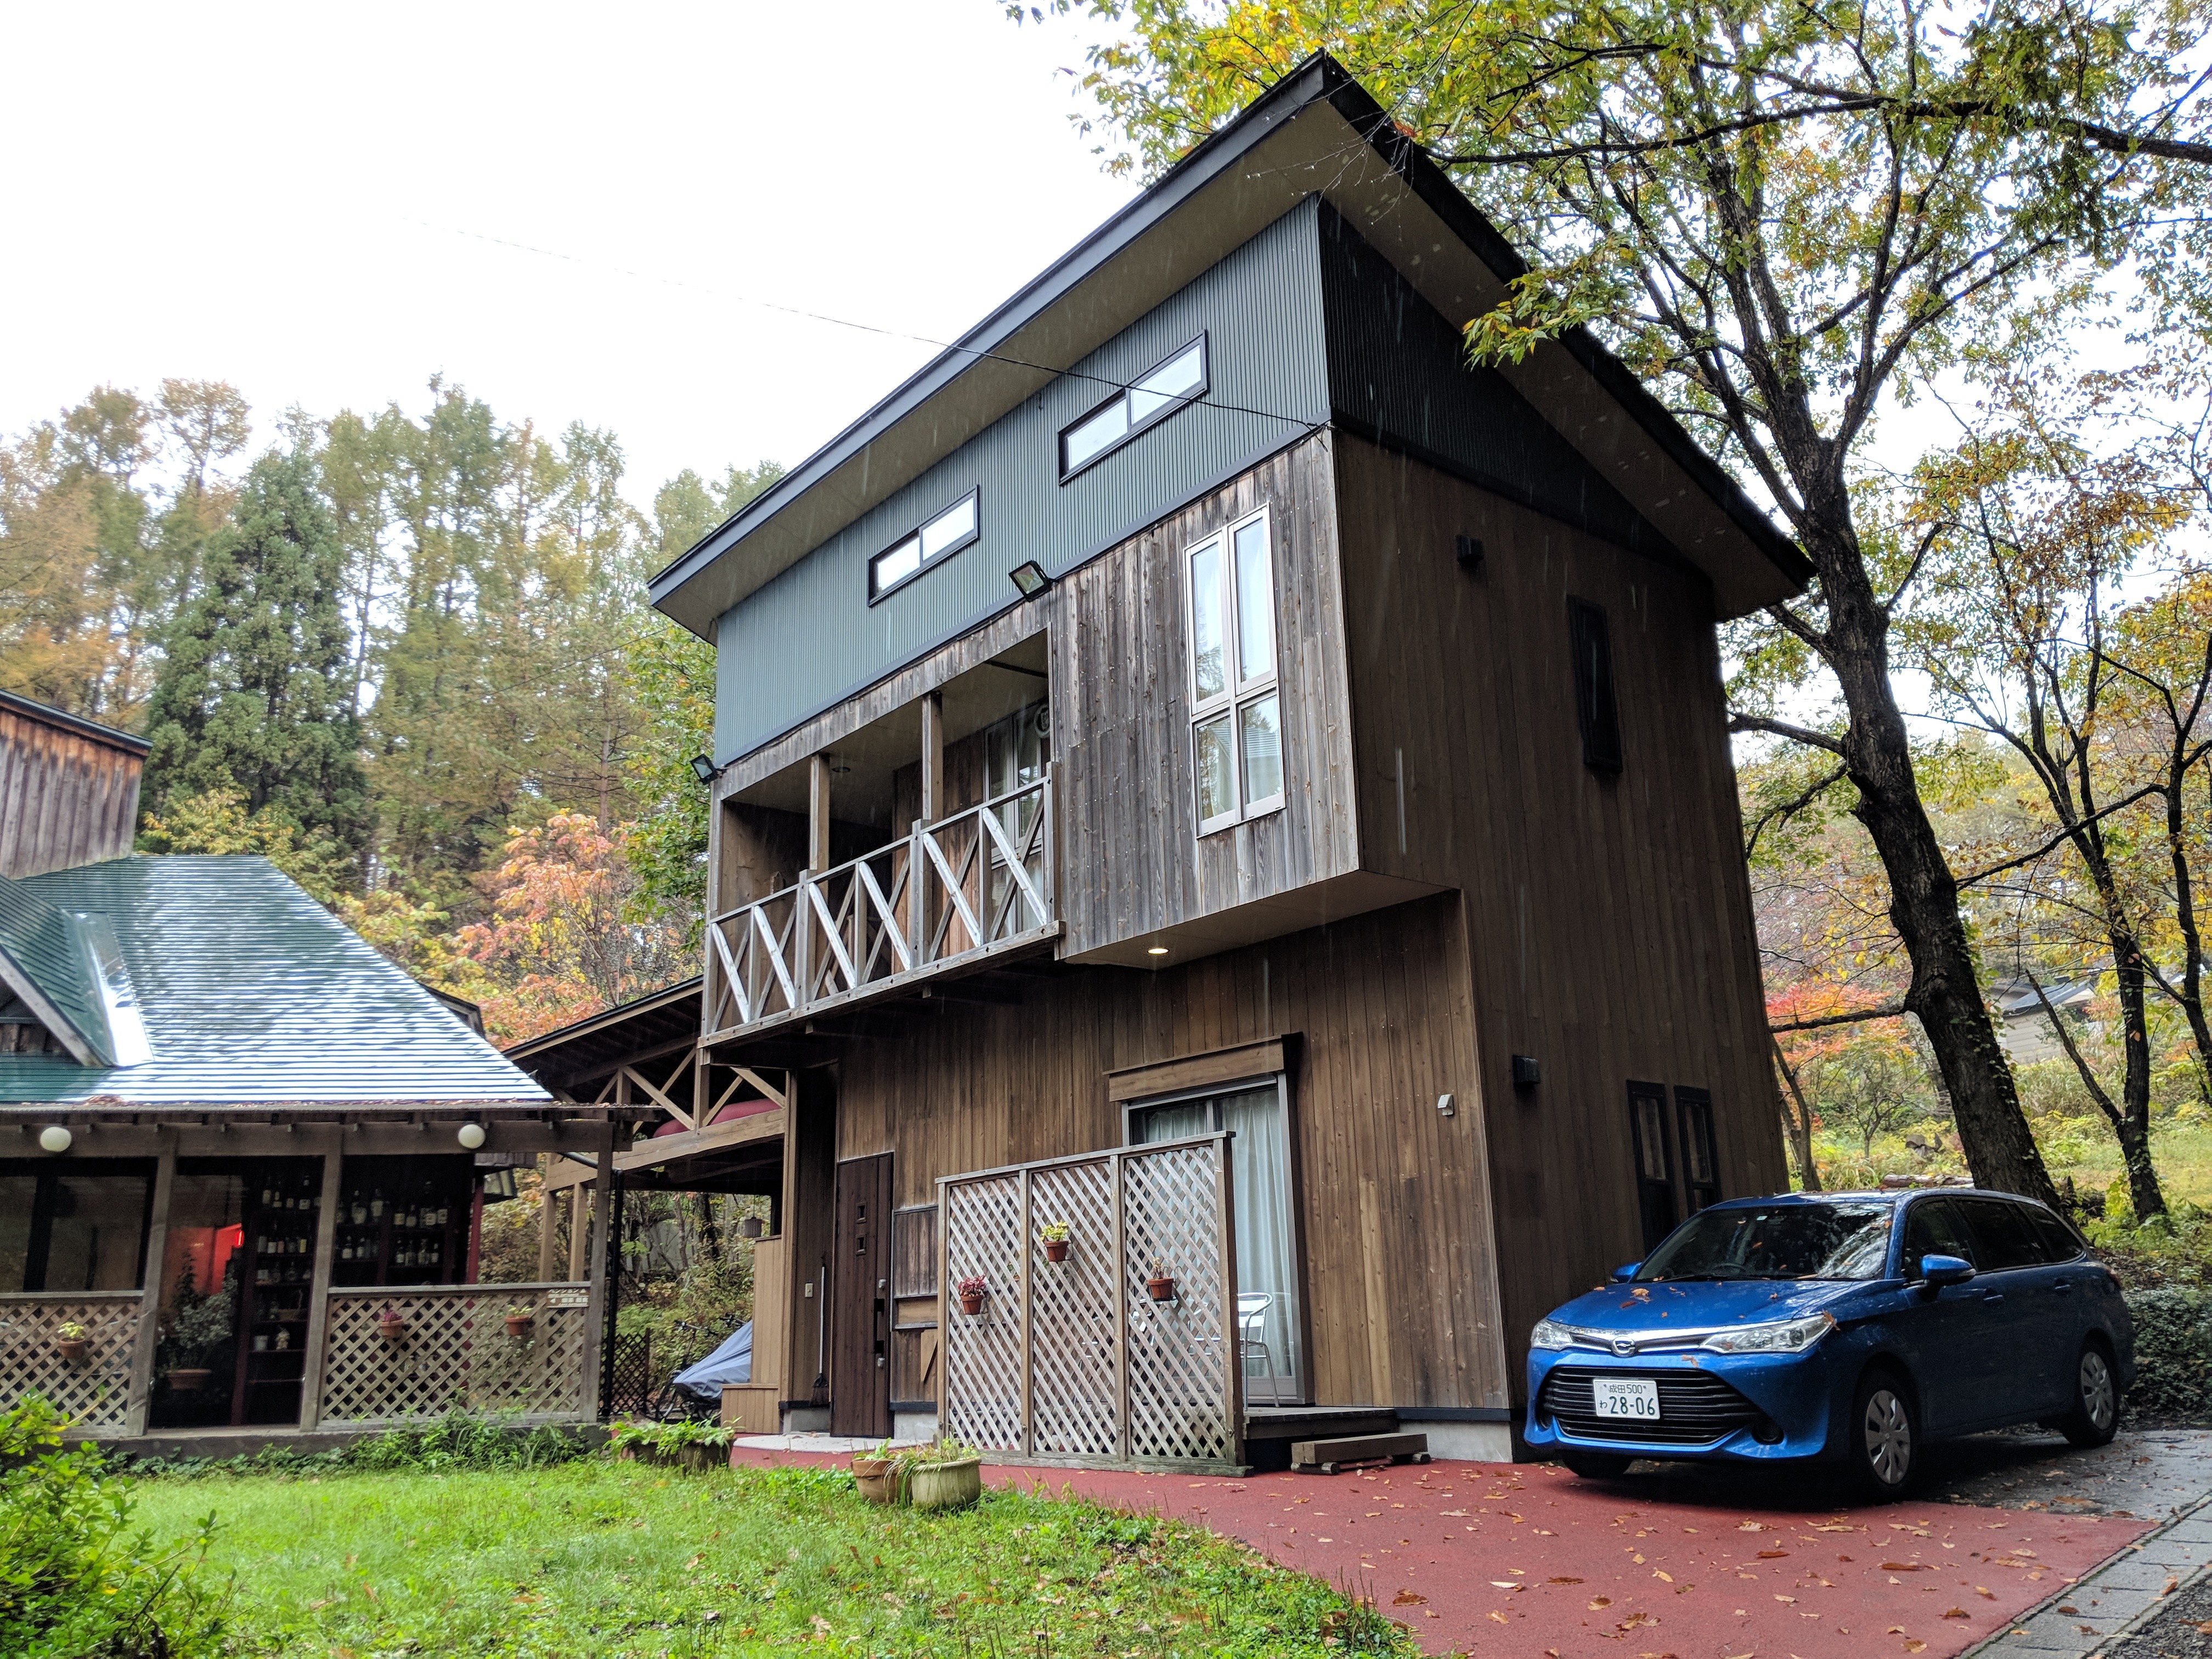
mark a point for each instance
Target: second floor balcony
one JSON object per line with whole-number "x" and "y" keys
{"x": 947, "y": 898}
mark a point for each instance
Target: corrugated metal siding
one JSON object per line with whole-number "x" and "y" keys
{"x": 251, "y": 992}
{"x": 1398, "y": 370}
{"x": 809, "y": 638}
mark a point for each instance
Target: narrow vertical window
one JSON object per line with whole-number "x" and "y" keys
{"x": 1701, "y": 1180}
{"x": 1595, "y": 709}
{"x": 1236, "y": 741}
{"x": 1655, "y": 1178}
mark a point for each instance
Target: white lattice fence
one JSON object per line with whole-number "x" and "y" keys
{"x": 1076, "y": 1361}
{"x": 94, "y": 1391}
{"x": 454, "y": 1354}
{"x": 983, "y": 1351}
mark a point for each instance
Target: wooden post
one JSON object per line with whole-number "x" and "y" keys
{"x": 1232, "y": 1346}
{"x": 147, "y": 1337}
{"x": 933, "y": 756}
{"x": 943, "y": 1310}
{"x": 579, "y": 1210}
{"x": 319, "y": 1293}
{"x": 547, "y": 1219}
{"x": 595, "y": 1312}
{"x": 818, "y": 814}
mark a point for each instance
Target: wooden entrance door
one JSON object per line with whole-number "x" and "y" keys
{"x": 859, "y": 1304}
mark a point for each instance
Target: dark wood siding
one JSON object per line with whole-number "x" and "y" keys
{"x": 1133, "y": 861}
{"x": 66, "y": 798}
{"x": 1373, "y": 1020}
{"x": 1610, "y": 917}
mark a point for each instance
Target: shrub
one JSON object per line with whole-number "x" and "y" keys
{"x": 687, "y": 1444}
{"x": 456, "y": 1442}
{"x": 2174, "y": 1353}
{"x": 76, "y": 1580}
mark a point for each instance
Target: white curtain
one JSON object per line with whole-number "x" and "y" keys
{"x": 1260, "y": 1174}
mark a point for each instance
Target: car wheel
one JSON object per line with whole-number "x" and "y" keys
{"x": 2096, "y": 1413}
{"x": 1885, "y": 1437}
{"x": 1596, "y": 1466}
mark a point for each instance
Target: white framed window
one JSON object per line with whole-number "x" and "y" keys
{"x": 1178, "y": 380}
{"x": 947, "y": 532}
{"x": 1235, "y": 706}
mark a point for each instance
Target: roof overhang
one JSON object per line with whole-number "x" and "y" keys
{"x": 1316, "y": 132}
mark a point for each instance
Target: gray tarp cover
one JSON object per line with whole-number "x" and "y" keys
{"x": 731, "y": 1363}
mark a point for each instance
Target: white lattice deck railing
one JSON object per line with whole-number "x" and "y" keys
{"x": 950, "y": 894}
{"x": 94, "y": 1392}
{"x": 1074, "y": 1361}
{"x": 454, "y": 1355}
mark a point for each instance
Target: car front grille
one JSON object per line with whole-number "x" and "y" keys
{"x": 1696, "y": 1409}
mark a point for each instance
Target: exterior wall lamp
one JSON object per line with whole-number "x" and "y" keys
{"x": 471, "y": 1136}
{"x": 704, "y": 769}
{"x": 55, "y": 1139}
{"x": 1029, "y": 578}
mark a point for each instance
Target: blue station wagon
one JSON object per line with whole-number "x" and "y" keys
{"x": 1847, "y": 1328}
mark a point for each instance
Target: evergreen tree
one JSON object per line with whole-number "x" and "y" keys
{"x": 254, "y": 693}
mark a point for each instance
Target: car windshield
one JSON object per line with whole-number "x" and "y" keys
{"x": 1782, "y": 1241}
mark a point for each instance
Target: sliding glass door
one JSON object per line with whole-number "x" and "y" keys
{"x": 1257, "y": 1117}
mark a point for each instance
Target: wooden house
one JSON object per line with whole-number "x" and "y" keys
{"x": 1222, "y": 814}
{"x": 244, "y": 1159}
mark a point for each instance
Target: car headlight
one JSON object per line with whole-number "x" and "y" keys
{"x": 1777, "y": 1336}
{"x": 1549, "y": 1333}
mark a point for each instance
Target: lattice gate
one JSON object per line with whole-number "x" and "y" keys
{"x": 1076, "y": 1361}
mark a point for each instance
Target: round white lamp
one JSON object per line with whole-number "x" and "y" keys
{"x": 55, "y": 1139}
{"x": 472, "y": 1135}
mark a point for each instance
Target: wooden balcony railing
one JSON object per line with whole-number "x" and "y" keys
{"x": 950, "y": 894}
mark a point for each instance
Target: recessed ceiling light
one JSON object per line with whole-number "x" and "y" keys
{"x": 1157, "y": 951}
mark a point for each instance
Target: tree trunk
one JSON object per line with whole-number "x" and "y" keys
{"x": 1798, "y": 1129}
{"x": 1946, "y": 990}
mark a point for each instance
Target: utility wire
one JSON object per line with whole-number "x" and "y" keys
{"x": 976, "y": 352}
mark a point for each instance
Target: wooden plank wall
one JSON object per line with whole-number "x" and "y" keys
{"x": 65, "y": 798}
{"x": 1120, "y": 716}
{"x": 1400, "y": 1287}
{"x": 1610, "y": 919}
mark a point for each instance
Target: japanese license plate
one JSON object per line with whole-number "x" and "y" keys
{"x": 1633, "y": 1397}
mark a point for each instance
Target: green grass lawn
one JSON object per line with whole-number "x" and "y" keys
{"x": 599, "y": 1556}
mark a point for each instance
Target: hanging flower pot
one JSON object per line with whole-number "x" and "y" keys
{"x": 390, "y": 1327}
{"x": 73, "y": 1342}
{"x": 520, "y": 1321}
{"x": 1160, "y": 1286}
{"x": 1055, "y": 1249}
{"x": 971, "y": 1292}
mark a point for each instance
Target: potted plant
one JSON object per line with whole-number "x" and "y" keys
{"x": 945, "y": 1474}
{"x": 1054, "y": 1234}
{"x": 392, "y": 1325}
{"x": 971, "y": 1292}
{"x": 198, "y": 1329}
{"x": 1160, "y": 1286}
{"x": 74, "y": 1341}
{"x": 520, "y": 1320}
{"x": 876, "y": 1473}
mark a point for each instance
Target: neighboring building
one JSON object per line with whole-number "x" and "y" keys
{"x": 1201, "y": 764}
{"x": 239, "y": 1150}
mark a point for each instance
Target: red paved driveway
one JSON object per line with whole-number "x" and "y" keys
{"x": 1525, "y": 1559}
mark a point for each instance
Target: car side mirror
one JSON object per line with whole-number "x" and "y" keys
{"x": 1626, "y": 1270}
{"x": 1937, "y": 1271}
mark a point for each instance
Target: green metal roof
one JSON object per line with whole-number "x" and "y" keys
{"x": 250, "y": 993}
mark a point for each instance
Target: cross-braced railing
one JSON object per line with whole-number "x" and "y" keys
{"x": 977, "y": 884}
{"x": 1122, "y": 1350}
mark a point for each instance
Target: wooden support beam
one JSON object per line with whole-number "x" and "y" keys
{"x": 548, "y": 1223}
{"x": 818, "y": 814}
{"x": 767, "y": 1091}
{"x": 580, "y": 1217}
{"x": 933, "y": 756}
{"x": 144, "y": 1340}
{"x": 595, "y": 1317}
{"x": 318, "y": 1293}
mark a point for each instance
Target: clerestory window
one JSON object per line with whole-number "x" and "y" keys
{"x": 1178, "y": 380}
{"x": 1236, "y": 723}
{"x": 948, "y": 532}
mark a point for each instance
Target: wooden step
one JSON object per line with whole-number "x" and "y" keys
{"x": 1328, "y": 1456}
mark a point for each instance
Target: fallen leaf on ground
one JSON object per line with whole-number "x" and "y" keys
{"x": 1406, "y": 1598}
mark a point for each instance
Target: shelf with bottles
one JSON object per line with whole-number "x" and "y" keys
{"x": 403, "y": 1221}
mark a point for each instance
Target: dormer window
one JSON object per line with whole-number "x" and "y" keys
{"x": 905, "y": 559}
{"x": 1154, "y": 396}
{"x": 1236, "y": 724}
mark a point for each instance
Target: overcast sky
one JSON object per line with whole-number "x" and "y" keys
{"x": 327, "y": 206}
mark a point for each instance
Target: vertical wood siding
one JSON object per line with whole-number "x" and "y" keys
{"x": 1610, "y": 919}
{"x": 1133, "y": 861}
{"x": 1401, "y": 1297}
{"x": 65, "y": 798}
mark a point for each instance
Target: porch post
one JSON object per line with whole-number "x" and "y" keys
{"x": 139, "y": 1401}
{"x": 579, "y": 1228}
{"x": 595, "y": 1313}
{"x": 548, "y": 1216}
{"x": 319, "y": 1290}
{"x": 933, "y": 756}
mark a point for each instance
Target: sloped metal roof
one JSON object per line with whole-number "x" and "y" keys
{"x": 250, "y": 993}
